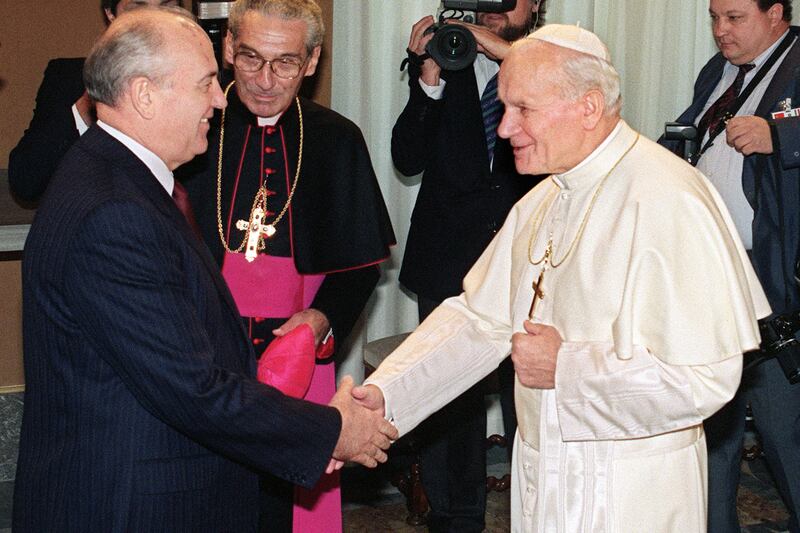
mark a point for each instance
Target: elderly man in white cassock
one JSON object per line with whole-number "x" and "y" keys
{"x": 620, "y": 288}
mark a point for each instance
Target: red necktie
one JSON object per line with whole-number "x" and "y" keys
{"x": 181, "y": 198}
{"x": 714, "y": 120}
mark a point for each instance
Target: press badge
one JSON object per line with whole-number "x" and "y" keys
{"x": 787, "y": 110}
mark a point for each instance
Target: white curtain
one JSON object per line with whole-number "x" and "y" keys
{"x": 658, "y": 46}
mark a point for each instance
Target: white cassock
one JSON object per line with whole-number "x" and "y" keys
{"x": 656, "y": 303}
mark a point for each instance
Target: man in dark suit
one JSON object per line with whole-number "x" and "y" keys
{"x": 467, "y": 189}
{"x": 63, "y": 112}
{"x": 755, "y": 163}
{"x": 142, "y": 411}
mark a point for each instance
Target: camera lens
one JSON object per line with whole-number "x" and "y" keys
{"x": 453, "y": 47}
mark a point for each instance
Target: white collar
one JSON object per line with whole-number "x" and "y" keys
{"x": 598, "y": 161}
{"x": 269, "y": 121}
{"x": 159, "y": 169}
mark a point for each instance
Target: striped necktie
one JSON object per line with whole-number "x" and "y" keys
{"x": 492, "y": 111}
{"x": 714, "y": 119}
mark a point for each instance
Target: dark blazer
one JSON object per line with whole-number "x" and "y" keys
{"x": 51, "y": 131}
{"x": 141, "y": 408}
{"x": 461, "y": 202}
{"x": 771, "y": 182}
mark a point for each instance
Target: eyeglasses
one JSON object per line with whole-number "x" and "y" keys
{"x": 286, "y": 68}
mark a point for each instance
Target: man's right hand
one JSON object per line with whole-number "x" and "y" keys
{"x": 535, "y": 355}
{"x": 489, "y": 43}
{"x": 370, "y": 397}
{"x": 365, "y": 434}
{"x": 417, "y": 43}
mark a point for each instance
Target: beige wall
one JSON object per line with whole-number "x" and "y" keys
{"x": 10, "y": 321}
{"x": 31, "y": 33}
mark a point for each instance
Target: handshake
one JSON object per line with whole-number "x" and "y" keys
{"x": 365, "y": 434}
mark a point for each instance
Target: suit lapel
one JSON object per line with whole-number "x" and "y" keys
{"x": 784, "y": 76}
{"x": 155, "y": 194}
{"x": 706, "y": 83}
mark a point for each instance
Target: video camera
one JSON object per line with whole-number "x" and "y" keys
{"x": 453, "y": 47}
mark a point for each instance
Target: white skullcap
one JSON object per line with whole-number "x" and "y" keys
{"x": 574, "y": 38}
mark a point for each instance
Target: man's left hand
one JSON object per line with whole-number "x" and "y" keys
{"x": 749, "y": 135}
{"x": 534, "y": 355}
{"x": 316, "y": 319}
{"x": 489, "y": 43}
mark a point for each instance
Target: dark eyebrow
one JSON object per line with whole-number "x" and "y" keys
{"x": 246, "y": 48}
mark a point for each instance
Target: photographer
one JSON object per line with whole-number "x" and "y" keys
{"x": 753, "y": 159}
{"x": 468, "y": 186}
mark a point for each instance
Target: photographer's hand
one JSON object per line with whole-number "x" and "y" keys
{"x": 419, "y": 39}
{"x": 489, "y": 43}
{"x": 749, "y": 135}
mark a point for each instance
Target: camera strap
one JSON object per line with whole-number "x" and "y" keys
{"x": 748, "y": 90}
{"x": 413, "y": 59}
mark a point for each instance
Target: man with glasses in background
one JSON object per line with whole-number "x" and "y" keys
{"x": 288, "y": 202}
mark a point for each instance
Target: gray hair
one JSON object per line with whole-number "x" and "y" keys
{"x": 583, "y": 72}
{"x": 139, "y": 50}
{"x": 305, "y": 10}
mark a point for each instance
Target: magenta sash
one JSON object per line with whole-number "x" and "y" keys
{"x": 270, "y": 286}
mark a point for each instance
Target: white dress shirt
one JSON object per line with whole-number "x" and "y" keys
{"x": 151, "y": 160}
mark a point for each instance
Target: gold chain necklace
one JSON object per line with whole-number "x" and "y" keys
{"x": 548, "y": 257}
{"x": 254, "y": 227}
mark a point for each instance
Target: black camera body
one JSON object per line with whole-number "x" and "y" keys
{"x": 779, "y": 339}
{"x": 685, "y": 133}
{"x": 213, "y": 18}
{"x": 453, "y": 47}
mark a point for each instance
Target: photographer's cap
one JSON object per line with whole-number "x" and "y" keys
{"x": 574, "y": 38}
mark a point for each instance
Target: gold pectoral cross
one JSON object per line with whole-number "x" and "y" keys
{"x": 255, "y": 230}
{"x": 538, "y": 293}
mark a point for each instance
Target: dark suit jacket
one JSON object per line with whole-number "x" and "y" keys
{"x": 141, "y": 408}
{"x": 771, "y": 182}
{"x": 461, "y": 203}
{"x": 51, "y": 131}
